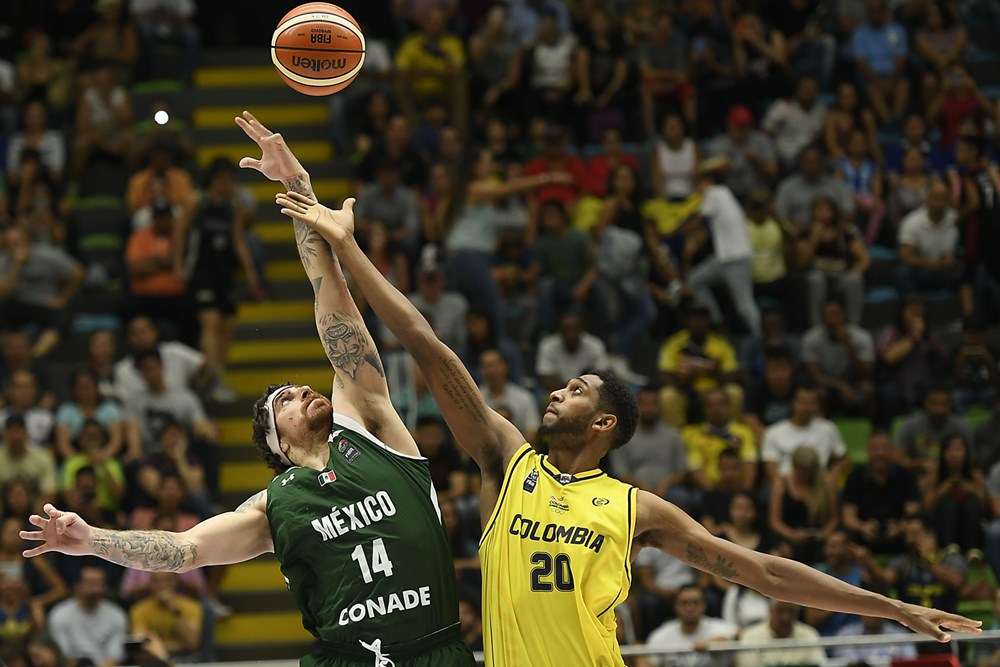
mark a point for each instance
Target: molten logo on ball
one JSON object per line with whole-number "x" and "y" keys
{"x": 319, "y": 64}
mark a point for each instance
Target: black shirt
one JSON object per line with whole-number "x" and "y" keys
{"x": 767, "y": 405}
{"x": 874, "y": 501}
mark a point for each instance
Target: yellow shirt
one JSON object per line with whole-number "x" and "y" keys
{"x": 680, "y": 345}
{"x": 768, "y": 251}
{"x": 150, "y": 615}
{"x": 704, "y": 447}
{"x": 556, "y": 559}
{"x": 415, "y": 53}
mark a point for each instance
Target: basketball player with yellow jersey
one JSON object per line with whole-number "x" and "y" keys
{"x": 560, "y": 535}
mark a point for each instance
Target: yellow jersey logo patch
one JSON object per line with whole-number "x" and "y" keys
{"x": 558, "y": 505}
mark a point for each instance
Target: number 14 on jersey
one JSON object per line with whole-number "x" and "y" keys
{"x": 379, "y": 561}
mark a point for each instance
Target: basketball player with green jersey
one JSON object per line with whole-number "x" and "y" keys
{"x": 351, "y": 513}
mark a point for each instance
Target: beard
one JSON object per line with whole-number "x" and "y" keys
{"x": 564, "y": 428}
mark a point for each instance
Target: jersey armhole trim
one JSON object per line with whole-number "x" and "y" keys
{"x": 521, "y": 453}
{"x": 633, "y": 499}
{"x": 347, "y": 422}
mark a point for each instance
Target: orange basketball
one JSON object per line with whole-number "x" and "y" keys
{"x": 318, "y": 48}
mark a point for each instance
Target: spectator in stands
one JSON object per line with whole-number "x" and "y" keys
{"x": 976, "y": 372}
{"x": 795, "y": 123}
{"x": 395, "y": 144}
{"x": 110, "y": 42}
{"x": 388, "y": 202}
{"x": 87, "y": 404}
{"x": 22, "y": 398}
{"x": 908, "y": 191}
{"x": 495, "y": 63}
{"x": 863, "y": 177}
{"x": 833, "y": 254}
{"x": 716, "y": 505}
{"x": 925, "y": 575}
{"x": 179, "y": 188}
{"x": 986, "y": 442}
{"x": 706, "y": 441}
{"x": 105, "y": 486}
{"x": 526, "y": 17}
{"x": 690, "y": 626}
{"x": 752, "y": 160}
{"x": 550, "y": 75}
{"x": 661, "y": 576}
{"x": 89, "y": 626}
{"x": 840, "y": 358}
{"x": 37, "y": 136}
{"x": 940, "y": 43}
{"x": 928, "y": 244}
{"x": 471, "y": 623}
{"x": 445, "y": 309}
{"x": 17, "y": 356}
{"x": 567, "y": 176}
{"x": 174, "y": 618}
{"x": 17, "y": 500}
{"x": 958, "y": 100}
{"x": 155, "y": 287}
{"x": 781, "y": 624}
{"x": 655, "y": 459}
{"x": 804, "y": 428}
{"x": 692, "y": 361}
{"x": 481, "y": 337}
{"x": 428, "y": 63}
{"x": 170, "y": 131}
{"x": 760, "y": 53}
{"x": 663, "y": 72}
{"x": 602, "y": 71}
{"x": 36, "y": 205}
{"x": 175, "y": 458}
{"x": 450, "y": 480}
{"x": 796, "y": 196}
{"x": 47, "y": 587}
{"x": 880, "y": 55}
{"x": 19, "y": 616}
{"x": 922, "y": 434}
{"x": 803, "y": 508}
{"x": 873, "y": 626}
{"x": 167, "y": 21}
{"x": 770, "y": 399}
{"x": 912, "y": 359}
{"x": 498, "y": 391}
{"x": 981, "y": 193}
{"x": 20, "y": 460}
{"x": 42, "y": 72}
{"x": 149, "y": 410}
{"x": 914, "y": 137}
{"x": 36, "y": 284}
{"x": 839, "y": 562}
{"x": 168, "y": 512}
{"x": 414, "y": 400}
{"x": 216, "y": 248}
{"x": 674, "y": 161}
{"x": 103, "y": 121}
{"x": 878, "y": 496}
{"x": 183, "y": 366}
{"x": 568, "y": 353}
{"x": 955, "y": 496}
{"x": 846, "y": 117}
{"x": 562, "y": 260}
{"x": 374, "y": 80}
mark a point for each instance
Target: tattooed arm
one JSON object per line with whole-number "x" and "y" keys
{"x": 664, "y": 526}
{"x": 232, "y": 537}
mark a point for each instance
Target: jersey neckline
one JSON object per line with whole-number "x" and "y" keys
{"x": 566, "y": 478}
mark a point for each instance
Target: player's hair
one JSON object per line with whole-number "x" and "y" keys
{"x": 616, "y": 397}
{"x": 689, "y": 587}
{"x": 260, "y": 429}
{"x": 729, "y": 452}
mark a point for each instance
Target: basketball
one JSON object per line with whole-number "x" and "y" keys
{"x": 318, "y": 48}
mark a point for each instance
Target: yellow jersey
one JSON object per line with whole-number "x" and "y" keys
{"x": 556, "y": 560}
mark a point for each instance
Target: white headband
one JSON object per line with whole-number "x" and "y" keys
{"x": 271, "y": 436}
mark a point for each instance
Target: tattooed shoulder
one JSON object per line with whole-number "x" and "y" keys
{"x": 251, "y": 501}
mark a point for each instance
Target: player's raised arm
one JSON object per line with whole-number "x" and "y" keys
{"x": 489, "y": 438}
{"x": 664, "y": 526}
{"x": 232, "y": 537}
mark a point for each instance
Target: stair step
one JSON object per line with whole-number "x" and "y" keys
{"x": 234, "y": 431}
{"x": 276, "y": 600}
{"x": 244, "y": 453}
{"x": 305, "y": 151}
{"x": 262, "y": 574}
{"x": 256, "y": 351}
{"x": 278, "y": 311}
{"x": 247, "y": 476}
{"x": 261, "y": 628}
{"x": 275, "y": 116}
{"x": 250, "y": 383}
{"x": 257, "y": 652}
{"x": 263, "y": 76}
{"x": 274, "y": 330}
{"x": 275, "y": 231}
{"x": 234, "y": 57}
{"x": 328, "y": 190}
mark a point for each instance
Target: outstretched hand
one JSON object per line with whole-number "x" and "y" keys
{"x": 276, "y": 161}
{"x": 334, "y": 226}
{"x": 65, "y": 532}
{"x": 931, "y": 621}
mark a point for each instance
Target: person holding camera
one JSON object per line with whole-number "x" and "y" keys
{"x": 169, "y": 615}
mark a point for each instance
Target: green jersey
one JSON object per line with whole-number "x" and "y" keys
{"x": 361, "y": 544}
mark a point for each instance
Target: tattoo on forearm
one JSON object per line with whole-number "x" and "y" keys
{"x": 310, "y": 245}
{"x": 149, "y": 550}
{"x": 721, "y": 567}
{"x": 347, "y": 346}
{"x": 460, "y": 389}
{"x": 299, "y": 185}
{"x": 249, "y": 502}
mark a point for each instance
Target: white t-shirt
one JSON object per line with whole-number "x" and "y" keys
{"x": 729, "y": 224}
{"x": 180, "y": 364}
{"x": 792, "y": 127}
{"x": 930, "y": 240}
{"x": 780, "y": 656}
{"x": 552, "y": 62}
{"x": 670, "y": 633}
{"x": 782, "y": 439}
{"x": 555, "y": 359}
{"x": 669, "y": 572}
{"x": 521, "y": 403}
{"x": 98, "y": 635}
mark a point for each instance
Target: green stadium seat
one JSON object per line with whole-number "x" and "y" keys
{"x": 855, "y": 433}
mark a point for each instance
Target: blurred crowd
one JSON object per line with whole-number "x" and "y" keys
{"x": 777, "y": 220}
